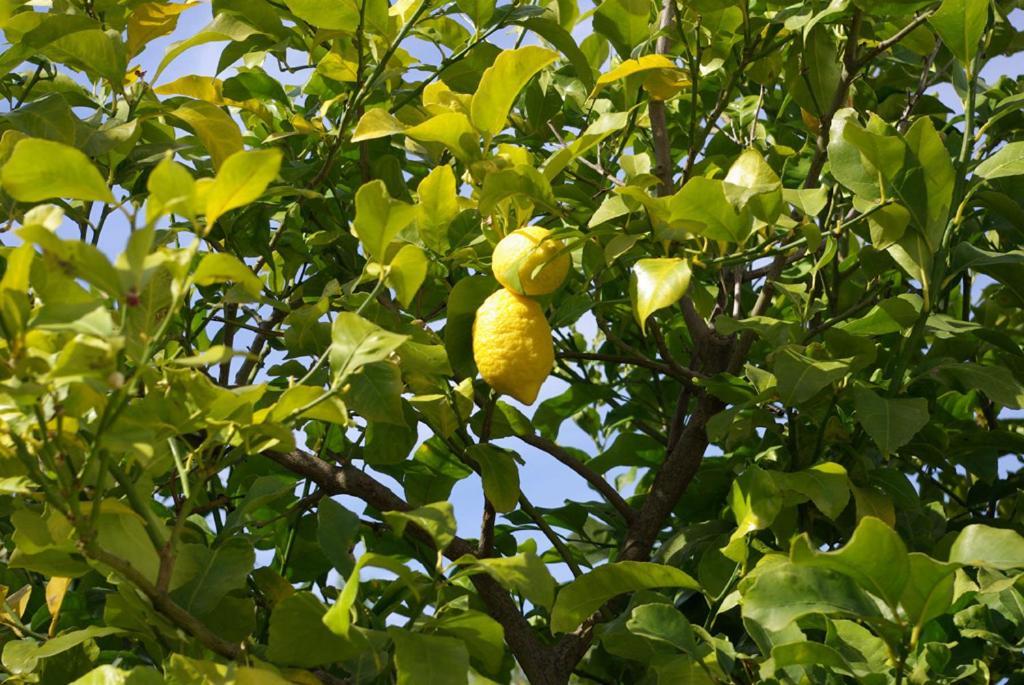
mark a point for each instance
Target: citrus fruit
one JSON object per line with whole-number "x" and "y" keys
{"x": 512, "y": 345}
{"x": 540, "y": 263}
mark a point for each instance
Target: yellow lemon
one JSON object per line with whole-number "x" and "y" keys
{"x": 522, "y": 252}
{"x": 512, "y": 345}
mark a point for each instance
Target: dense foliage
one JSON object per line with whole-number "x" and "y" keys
{"x": 237, "y": 385}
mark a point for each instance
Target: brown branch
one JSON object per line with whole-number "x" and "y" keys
{"x": 551, "y": 535}
{"x": 680, "y": 373}
{"x": 670, "y": 482}
{"x": 609, "y": 493}
{"x": 894, "y": 39}
{"x": 656, "y": 111}
{"x": 164, "y": 604}
{"x": 486, "y": 546}
{"x": 536, "y": 659}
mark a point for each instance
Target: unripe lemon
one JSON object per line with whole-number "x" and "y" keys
{"x": 512, "y": 345}
{"x": 524, "y": 250}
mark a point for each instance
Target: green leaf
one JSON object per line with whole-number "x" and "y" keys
{"x": 936, "y": 167}
{"x": 205, "y": 574}
{"x": 914, "y": 255}
{"x": 561, "y": 39}
{"x": 220, "y": 267}
{"x": 872, "y": 502}
{"x": 522, "y": 181}
{"x": 625, "y": 23}
{"x": 483, "y": 636}
{"x": 785, "y": 591}
{"x": 961, "y": 24}
{"x": 338, "y": 618}
{"x": 376, "y": 122}
{"x": 751, "y": 182}
{"x": 437, "y": 519}
{"x": 429, "y": 659}
{"x": 438, "y": 205}
{"x": 656, "y": 284}
{"x": 379, "y": 218}
{"x": 337, "y": 530}
{"x": 826, "y": 484}
{"x": 80, "y": 43}
{"x": 888, "y": 224}
{"x": 500, "y": 475}
{"x": 214, "y": 127}
{"x": 755, "y": 501}
{"x": 891, "y": 423}
{"x": 848, "y": 165}
{"x": 585, "y": 595}
{"x": 883, "y": 151}
{"x": 224, "y": 27}
{"x": 604, "y": 126}
{"x": 479, "y": 11}
{"x": 524, "y": 573}
{"x": 111, "y": 675}
{"x": 1000, "y": 387}
{"x": 22, "y": 656}
{"x": 664, "y": 623}
{"x": 337, "y": 15}
{"x": 406, "y": 273}
{"x": 452, "y": 130}
{"x": 1007, "y": 267}
{"x": 1007, "y": 161}
{"x": 814, "y": 71}
{"x": 630, "y": 67}
{"x": 800, "y": 377}
{"x": 151, "y": 20}
{"x": 875, "y": 557}
{"x": 331, "y": 409}
{"x": 375, "y": 393}
{"x": 171, "y": 190}
{"x": 41, "y": 170}
{"x": 501, "y": 84}
{"x": 980, "y": 545}
{"x": 241, "y": 180}
{"x": 929, "y": 590}
{"x": 298, "y": 636}
{"x": 809, "y": 654}
{"x": 356, "y": 342}
{"x": 702, "y": 208}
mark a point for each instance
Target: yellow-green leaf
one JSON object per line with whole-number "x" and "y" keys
{"x": 379, "y": 218}
{"x": 220, "y": 267}
{"x": 635, "y": 66}
{"x": 206, "y": 88}
{"x": 171, "y": 190}
{"x": 960, "y": 24}
{"x": 377, "y": 123}
{"x": 656, "y": 284}
{"x": 408, "y": 269}
{"x": 585, "y": 595}
{"x": 501, "y": 83}
{"x": 216, "y": 130}
{"x": 241, "y": 180}
{"x": 152, "y": 20}
{"x": 42, "y": 169}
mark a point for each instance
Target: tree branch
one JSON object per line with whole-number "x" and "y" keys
{"x": 609, "y": 493}
{"x": 165, "y": 605}
{"x": 680, "y": 373}
{"x": 536, "y": 658}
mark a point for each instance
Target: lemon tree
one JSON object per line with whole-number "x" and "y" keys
{"x": 637, "y": 341}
